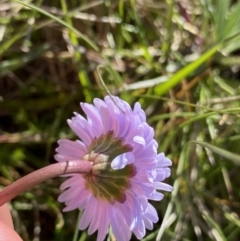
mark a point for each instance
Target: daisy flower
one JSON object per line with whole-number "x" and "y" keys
{"x": 126, "y": 170}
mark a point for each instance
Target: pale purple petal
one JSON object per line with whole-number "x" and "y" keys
{"x": 163, "y": 186}
{"x": 71, "y": 181}
{"x": 148, "y": 223}
{"x": 71, "y": 148}
{"x": 161, "y": 175}
{"x": 163, "y": 161}
{"x": 151, "y": 213}
{"x": 64, "y": 158}
{"x": 122, "y": 231}
{"x": 122, "y": 160}
{"x": 89, "y": 213}
{"x": 104, "y": 223}
{"x": 138, "y": 110}
{"x": 77, "y": 202}
{"x": 167, "y": 172}
{"x": 81, "y": 131}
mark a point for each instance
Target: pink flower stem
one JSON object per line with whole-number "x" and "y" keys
{"x": 42, "y": 175}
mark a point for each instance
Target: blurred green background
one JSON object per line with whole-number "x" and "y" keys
{"x": 179, "y": 59}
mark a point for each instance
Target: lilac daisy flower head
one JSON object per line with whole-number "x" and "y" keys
{"x": 126, "y": 170}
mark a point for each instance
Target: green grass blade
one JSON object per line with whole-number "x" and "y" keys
{"x": 232, "y": 25}
{"x": 219, "y": 16}
{"x": 184, "y": 72}
{"x": 15, "y": 63}
{"x": 219, "y": 235}
{"x": 231, "y": 156}
{"x": 84, "y": 37}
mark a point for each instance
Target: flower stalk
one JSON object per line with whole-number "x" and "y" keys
{"x": 41, "y": 175}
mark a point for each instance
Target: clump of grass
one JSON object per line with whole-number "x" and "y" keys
{"x": 178, "y": 59}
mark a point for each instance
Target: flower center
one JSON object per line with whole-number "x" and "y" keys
{"x": 103, "y": 181}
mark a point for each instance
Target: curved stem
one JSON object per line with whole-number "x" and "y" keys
{"x": 42, "y": 175}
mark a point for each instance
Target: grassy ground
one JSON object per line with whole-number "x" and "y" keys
{"x": 179, "y": 59}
